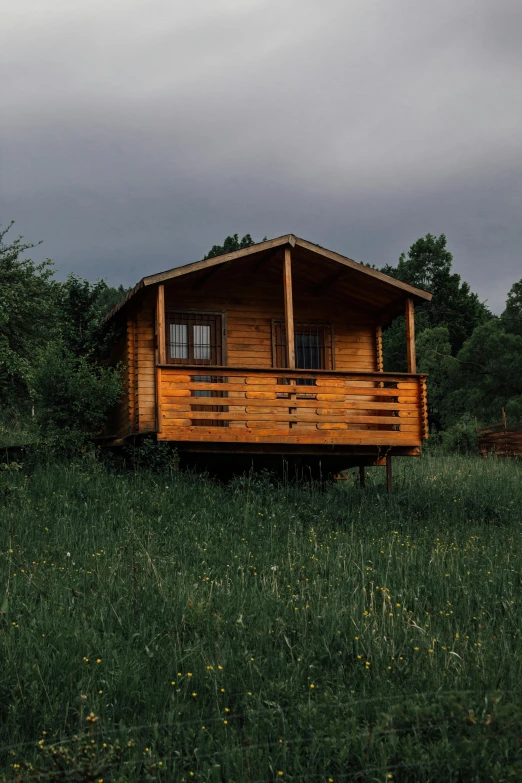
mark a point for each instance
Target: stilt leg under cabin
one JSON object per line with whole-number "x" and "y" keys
{"x": 389, "y": 473}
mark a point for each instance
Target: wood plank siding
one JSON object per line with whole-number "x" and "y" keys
{"x": 252, "y": 305}
{"x": 145, "y": 362}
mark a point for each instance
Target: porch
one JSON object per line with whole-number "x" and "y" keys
{"x": 290, "y": 407}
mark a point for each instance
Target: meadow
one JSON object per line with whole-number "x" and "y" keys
{"x": 160, "y": 626}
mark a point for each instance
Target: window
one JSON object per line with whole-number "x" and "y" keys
{"x": 309, "y": 351}
{"x": 313, "y": 345}
{"x": 194, "y": 338}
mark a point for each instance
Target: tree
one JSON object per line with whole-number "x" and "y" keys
{"x": 486, "y": 376}
{"x": 73, "y": 396}
{"x": 80, "y": 316}
{"x": 511, "y": 318}
{"x": 28, "y": 296}
{"x": 442, "y": 326}
{"x": 428, "y": 266}
{"x": 230, "y": 244}
{"x": 74, "y": 392}
{"x": 109, "y": 297}
{"x": 434, "y": 358}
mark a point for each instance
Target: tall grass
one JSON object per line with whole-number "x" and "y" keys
{"x": 252, "y": 633}
{"x": 16, "y": 431}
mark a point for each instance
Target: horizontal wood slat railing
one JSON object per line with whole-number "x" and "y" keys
{"x": 290, "y": 406}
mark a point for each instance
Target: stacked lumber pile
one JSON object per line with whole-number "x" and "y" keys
{"x": 502, "y": 440}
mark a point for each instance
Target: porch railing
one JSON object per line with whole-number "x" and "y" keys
{"x": 294, "y": 406}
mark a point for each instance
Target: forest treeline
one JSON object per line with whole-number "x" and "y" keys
{"x": 473, "y": 358}
{"x": 53, "y": 343}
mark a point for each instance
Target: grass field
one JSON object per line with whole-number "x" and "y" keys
{"x": 259, "y": 633}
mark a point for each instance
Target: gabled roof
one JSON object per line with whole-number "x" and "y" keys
{"x": 366, "y": 274}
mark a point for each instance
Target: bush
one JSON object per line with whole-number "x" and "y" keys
{"x": 150, "y": 454}
{"x": 73, "y": 397}
{"x": 460, "y": 438}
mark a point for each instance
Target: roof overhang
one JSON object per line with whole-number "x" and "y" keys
{"x": 407, "y": 291}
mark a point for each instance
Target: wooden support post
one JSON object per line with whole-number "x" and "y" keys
{"x": 410, "y": 336}
{"x": 388, "y": 472}
{"x": 362, "y": 477}
{"x": 289, "y": 311}
{"x": 378, "y": 349}
{"x": 161, "y": 355}
{"x": 160, "y": 325}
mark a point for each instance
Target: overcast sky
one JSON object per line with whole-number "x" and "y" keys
{"x": 138, "y": 133}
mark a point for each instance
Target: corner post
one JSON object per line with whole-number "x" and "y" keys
{"x": 160, "y": 325}
{"x": 289, "y": 310}
{"x": 161, "y": 353}
{"x": 410, "y": 336}
{"x": 378, "y": 349}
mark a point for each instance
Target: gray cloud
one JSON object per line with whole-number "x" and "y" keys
{"x": 137, "y": 134}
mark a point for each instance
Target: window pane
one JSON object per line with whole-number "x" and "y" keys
{"x": 179, "y": 348}
{"x": 308, "y": 351}
{"x": 201, "y": 336}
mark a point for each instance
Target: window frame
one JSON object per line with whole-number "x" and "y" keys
{"x": 279, "y": 350}
{"x": 220, "y": 326}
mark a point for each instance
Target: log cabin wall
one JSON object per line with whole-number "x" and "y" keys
{"x": 145, "y": 365}
{"x": 251, "y": 302}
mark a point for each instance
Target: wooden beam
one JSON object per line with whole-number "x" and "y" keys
{"x": 170, "y": 274}
{"x": 288, "y": 239}
{"x": 363, "y": 269}
{"x": 265, "y": 260}
{"x": 383, "y": 317}
{"x": 378, "y": 349}
{"x": 160, "y": 325}
{"x": 289, "y": 310}
{"x": 159, "y": 399}
{"x": 329, "y": 282}
{"x": 410, "y": 335}
{"x": 161, "y": 354}
{"x": 203, "y": 279}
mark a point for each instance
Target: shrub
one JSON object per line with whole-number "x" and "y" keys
{"x": 460, "y": 438}
{"x": 73, "y": 397}
{"x": 152, "y": 455}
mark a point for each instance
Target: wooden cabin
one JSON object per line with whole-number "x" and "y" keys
{"x": 275, "y": 349}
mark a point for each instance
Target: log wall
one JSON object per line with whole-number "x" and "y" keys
{"x": 145, "y": 362}
{"x": 251, "y": 305}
